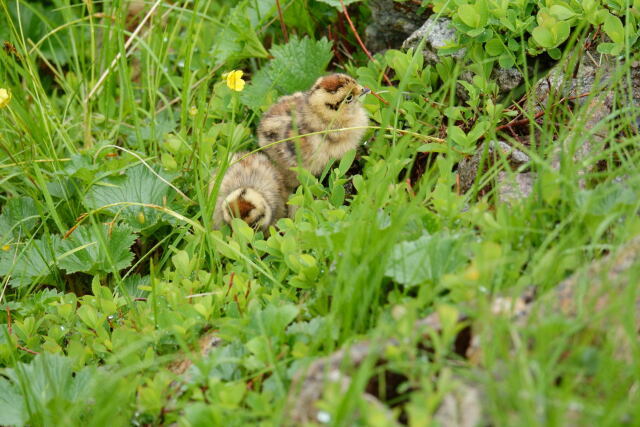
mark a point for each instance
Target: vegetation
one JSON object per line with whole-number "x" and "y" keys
{"x": 114, "y": 120}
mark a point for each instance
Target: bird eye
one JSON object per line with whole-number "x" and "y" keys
{"x": 349, "y": 98}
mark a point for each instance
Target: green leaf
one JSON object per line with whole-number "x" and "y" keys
{"x": 182, "y": 263}
{"x": 426, "y": 259}
{"x": 543, "y": 36}
{"x": 494, "y": 47}
{"x": 561, "y": 32}
{"x": 469, "y": 16}
{"x": 614, "y": 29}
{"x": 457, "y": 135}
{"x": 336, "y": 3}
{"x": 48, "y": 382}
{"x": 506, "y": 61}
{"x": 139, "y": 185}
{"x": 561, "y": 12}
{"x": 12, "y": 411}
{"x": 555, "y": 53}
{"x": 295, "y": 66}
{"x": 97, "y": 249}
{"x": 274, "y": 319}
{"x": 346, "y": 162}
{"x": 610, "y": 48}
{"x": 33, "y": 264}
{"x": 238, "y": 39}
{"x": 480, "y": 128}
{"x": 90, "y": 316}
{"x": 433, "y": 147}
{"x": 19, "y": 217}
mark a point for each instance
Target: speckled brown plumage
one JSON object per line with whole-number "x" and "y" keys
{"x": 252, "y": 189}
{"x": 332, "y": 103}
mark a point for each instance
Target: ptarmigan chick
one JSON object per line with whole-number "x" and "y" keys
{"x": 252, "y": 189}
{"x": 333, "y": 102}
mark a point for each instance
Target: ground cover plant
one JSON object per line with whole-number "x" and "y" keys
{"x": 474, "y": 263}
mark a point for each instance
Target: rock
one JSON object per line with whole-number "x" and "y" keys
{"x": 593, "y": 288}
{"x": 512, "y": 187}
{"x": 587, "y": 78}
{"x": 391, "y": 23}
{"x": 590, "y": 289}
{"x": 461, "y": 407}
{"x": 590, "y": 73}
{"x": 309, "y": 385}
{"x": 496, "y": 150}
{"x": 506, "y": 78}
{"x": 588, "y": 137}
{"x": 438, "y": 33}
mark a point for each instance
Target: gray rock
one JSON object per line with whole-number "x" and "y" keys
{"x": 512, "y": 187}
{"x": 309, "y": 385}
{"x": 587, "y": 138}
{"x": 596, "y": 286}
{"x": 584, "y": 72}
{"x": 391, "y": 23}
{"x": 438, "y": 33}
{"x": 462, "y": 406}
{"x": 507, "y": 78}
{"x": 468, "y": 167}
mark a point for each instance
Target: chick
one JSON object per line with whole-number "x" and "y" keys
{"x": 252, "y": 189}
{"x": 333, "y": 102}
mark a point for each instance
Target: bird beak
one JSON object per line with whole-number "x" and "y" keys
{"x": 365, "y": 90}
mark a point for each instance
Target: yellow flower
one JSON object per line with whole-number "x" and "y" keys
{"x": 5, "y": 96}
{"x": 6, "y": 247}
{"x": 234, "y": 80}
{"x": 193, "y": 111}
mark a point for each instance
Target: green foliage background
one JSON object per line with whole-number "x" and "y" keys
{"x": 111, "y": 273}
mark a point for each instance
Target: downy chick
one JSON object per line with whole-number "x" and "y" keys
{"x": 333, "y": 102}
{"x": 253, "y": 190}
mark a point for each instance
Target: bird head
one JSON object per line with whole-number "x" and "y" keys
{"x": 337, "y": 99}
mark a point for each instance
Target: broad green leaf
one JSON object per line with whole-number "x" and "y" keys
{"x": 426, "y": 259}
{"x": 543, "y": 36}
{"x": 469, "y": 16}
{"x": 295, "y": 66}
{"x": 138, "y": 185}
{"x": 48, "y": 383}
{"x": 238, "y": 39}
{"x": 33, "y": 264}
{"x": 561, "y": 32}
{"x": 90, "y": 316}
{"x": 12, "y": 410}
{"x": 346, "y": 162}
{"x": 614, "y": 29}
{"x": 479, "y": 129}
{"x": 182, "y": 263}
{"x": 19, "y": 217}
{"x": 274, "y": 319}
{"x": 610, "y": 48}
{"x": 336, "y": 3}
{"x": 99, "y": 249}
{"x": 506, "y": 61}
{"x": 494, "y": 47}
{"x": 561, "y": 12}
{"x": 457, "y": 135}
